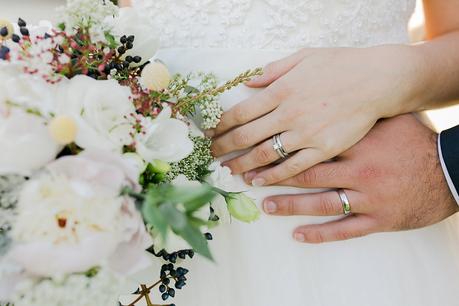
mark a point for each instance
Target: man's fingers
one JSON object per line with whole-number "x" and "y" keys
{"x": 248, "y": 135}
{"x": 277, "y": 69}
{"x": 292, "y": 166}
{"x": 262, "y": 155}
{"x": 350, "y": 227}
{"x": 252, "y": 108}
{"x": 324, "y": 175}
{"x": 314, "y": 204}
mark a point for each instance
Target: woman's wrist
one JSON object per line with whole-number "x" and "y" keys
{"x": 410, "y": 81}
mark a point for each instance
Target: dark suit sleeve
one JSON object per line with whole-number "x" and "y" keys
{"x": 448, "y": 149}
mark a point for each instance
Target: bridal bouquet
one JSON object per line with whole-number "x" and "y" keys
{"x": 103, "y": 168}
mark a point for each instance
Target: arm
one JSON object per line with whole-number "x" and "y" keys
{"x": 439, "y": 56}
{"x": 322, "y": 101}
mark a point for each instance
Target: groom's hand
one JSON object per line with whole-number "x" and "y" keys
{"x": 393, "y": 179}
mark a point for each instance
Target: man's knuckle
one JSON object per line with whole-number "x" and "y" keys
{"x": 326, "y": 206}
{"x": 290, "y": 206}
{"x": 368, "y": 172}
{"x": 315, "y": 236}
{"x": 308, "y": 177}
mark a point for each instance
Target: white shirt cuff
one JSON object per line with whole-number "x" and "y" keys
{"x": 446, "y": 173}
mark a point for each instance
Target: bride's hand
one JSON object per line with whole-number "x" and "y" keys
{"x": 321, "y": 101}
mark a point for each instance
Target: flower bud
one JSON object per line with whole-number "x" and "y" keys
{"x": 242, "y": 207}
{"x": 155, "y": 76}
{"x": 63, "y": 129}
{"x": 9, "y": 29}
{"x": 160, "y": 166}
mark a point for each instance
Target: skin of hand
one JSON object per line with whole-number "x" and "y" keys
{"x": 323, "y": 101}
{"x": 392, "y": 178}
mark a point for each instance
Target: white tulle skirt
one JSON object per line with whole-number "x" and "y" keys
{"x": 261, "y": 265}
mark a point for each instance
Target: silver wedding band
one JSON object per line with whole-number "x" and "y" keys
{"x": 279, "y": 147}
{"x": 345, "y": 202}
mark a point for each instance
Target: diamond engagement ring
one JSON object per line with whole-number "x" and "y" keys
{"x": 279, "y": 147}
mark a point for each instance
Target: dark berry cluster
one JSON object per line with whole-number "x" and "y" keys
{"x": 172, "y": 257}
{"x": 127, "y": 43}
{"x": 23, "y": 27}
{"x": 170, "y": 273}
{"x": 5, "y": 34}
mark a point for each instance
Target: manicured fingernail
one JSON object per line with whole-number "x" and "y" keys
{"x": 270, "y": 207}
{"x": 258, "y": 182}
{"x": 248, "y": 176}
{"x": 209, "y": 133}
{"x": 299, "y": 237}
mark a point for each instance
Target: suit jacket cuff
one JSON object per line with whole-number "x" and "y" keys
{"x": 449, "y": 160}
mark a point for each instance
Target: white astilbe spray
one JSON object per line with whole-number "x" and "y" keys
{"x": 89, "y": 14}
{"x": 211, "y": 112}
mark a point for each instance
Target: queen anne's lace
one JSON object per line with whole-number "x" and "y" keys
{"x": 279, "y": 24}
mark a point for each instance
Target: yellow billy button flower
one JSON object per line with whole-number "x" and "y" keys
{"x": 155, "y": 76}
{"x": 63, "y": 129}
{"x": 6, "y": 29}
{"x": 242, "y": 207}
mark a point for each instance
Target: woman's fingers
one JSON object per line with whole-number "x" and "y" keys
{"x": 277, "y": 69}
{"x": 350, "y": 227}
{"x": 248, "y": 135}
{"x": 262, "y": 155}
{"x": 292, "y": 166}
{"x": 252, "y": 108}
{"x": 314, "y": 204}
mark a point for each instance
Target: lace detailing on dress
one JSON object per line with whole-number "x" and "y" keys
{"x": 279, "y": 24}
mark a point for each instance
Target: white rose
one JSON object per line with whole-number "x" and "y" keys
{"x": 131, "y": 22}
{"x": 72, "y": 218}
{"x": 165, "y": 139}
{"x": 101, "y": 110}
{"x": 25, "y": 143}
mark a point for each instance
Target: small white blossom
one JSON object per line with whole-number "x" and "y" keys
{"x": 76, "y": 290}
{"x": 88, "y": 14}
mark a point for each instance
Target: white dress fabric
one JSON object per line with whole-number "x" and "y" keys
{"x": 260, "y": 264}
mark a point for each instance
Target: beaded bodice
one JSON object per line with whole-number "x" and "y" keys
{"x": 278, "y": 24}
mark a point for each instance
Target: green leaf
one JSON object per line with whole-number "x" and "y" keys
{"x": 193, "y": 198}
{"x": 153, "y": 215}
{"x": 112, "y": 43}
{"x": 176, "y": 219}
{"x": 196, "y": 240}
{"x": 61, "y": 26}
{"x": 197, "y": 222}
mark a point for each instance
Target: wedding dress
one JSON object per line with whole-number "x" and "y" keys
{"x": 260, "y": 264}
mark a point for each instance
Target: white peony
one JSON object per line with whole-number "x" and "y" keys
{"x": 24, "y": 139}
{"x": 131, "y": 22}
{"x": 165, "y": 138}
{"x": 25, "y": 143}
{"x": 72, "y": 218}
{"x": 101, "y": 110}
